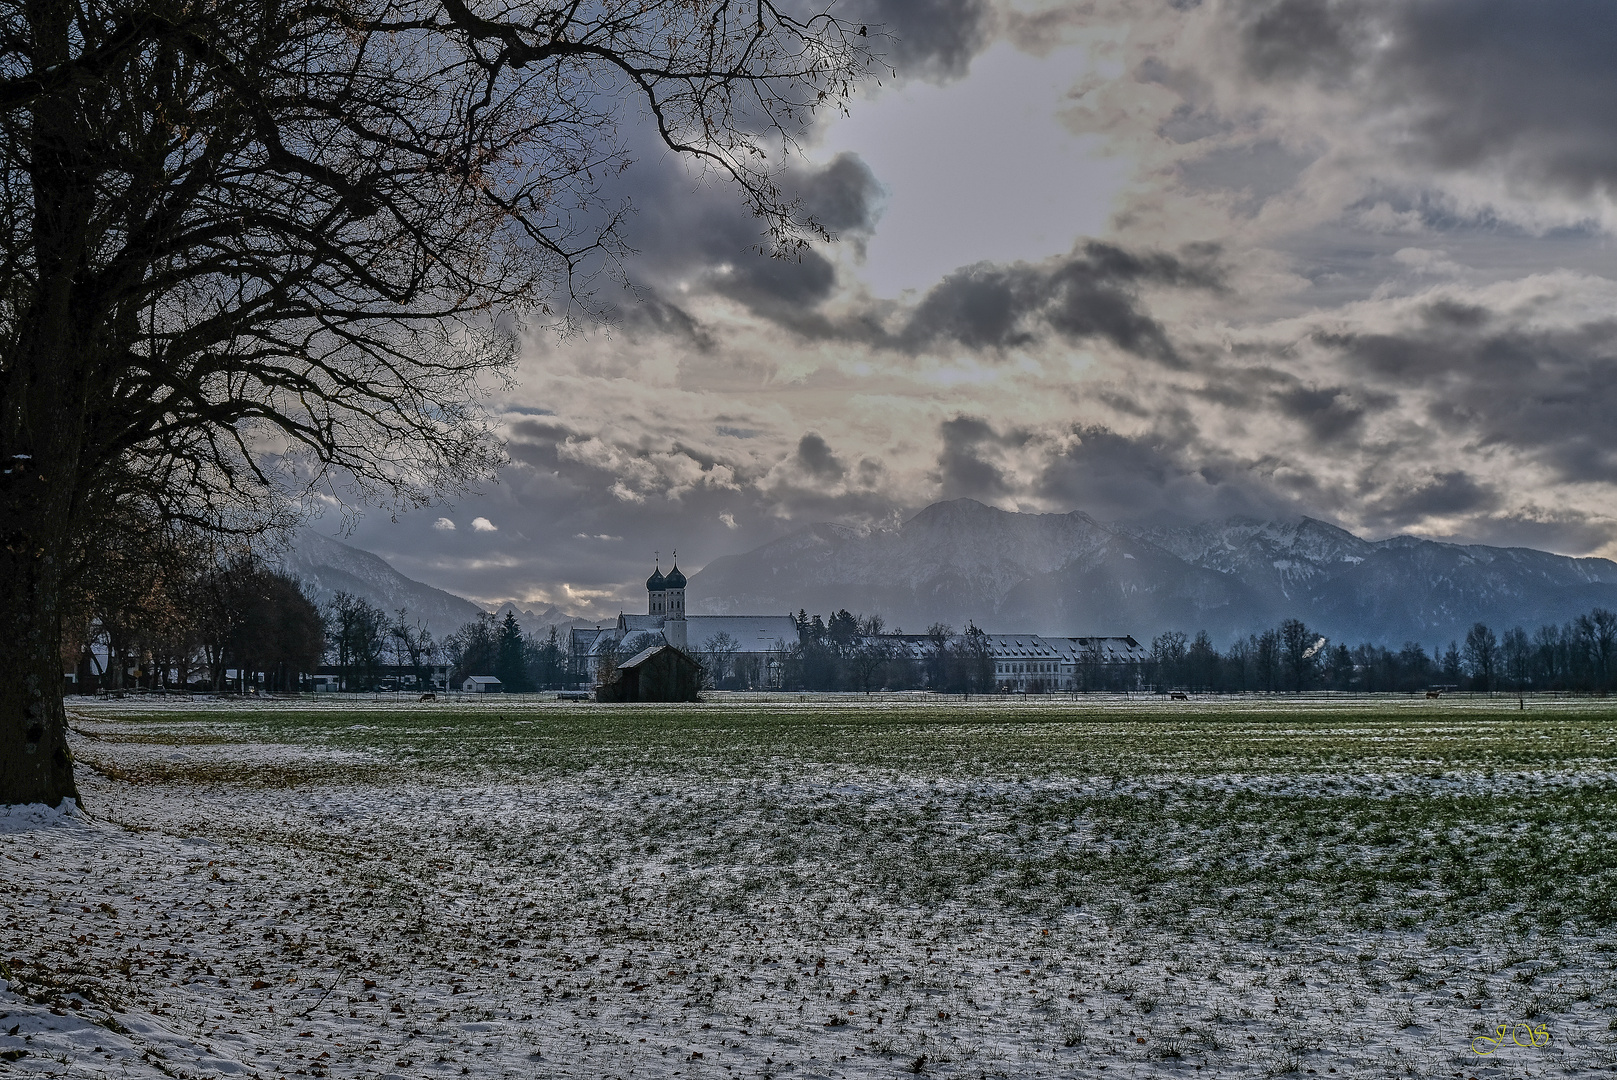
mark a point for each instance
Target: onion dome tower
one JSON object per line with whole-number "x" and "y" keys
{"x": 674, "y": 592}
{"x": 657, "y": 592}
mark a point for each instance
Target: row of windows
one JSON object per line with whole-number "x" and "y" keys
{"x": 1029, "y": 669}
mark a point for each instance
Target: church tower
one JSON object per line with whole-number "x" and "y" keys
{"x": 657, "y": 594}
{"x": 665, "y": 602}
{"x": 674, "y": 592}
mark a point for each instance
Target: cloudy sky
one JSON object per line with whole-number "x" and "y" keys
{"x": 1142, "y": 258}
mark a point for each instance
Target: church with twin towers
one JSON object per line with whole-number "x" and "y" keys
{"x": 747, "y": 651}
{"x": 748, "y": 647}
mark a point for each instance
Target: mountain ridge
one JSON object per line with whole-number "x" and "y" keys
{"x": 327, "y": 566}
{"x": 961, "y": 561}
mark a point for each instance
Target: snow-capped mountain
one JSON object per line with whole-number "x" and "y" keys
{"x": 1069, "y": 574}
{"x": 327, "y": 567}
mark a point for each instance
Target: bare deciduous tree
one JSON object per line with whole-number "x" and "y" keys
{"x": 253, "y": 247}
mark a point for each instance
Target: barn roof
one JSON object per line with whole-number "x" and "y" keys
{"x": 646, "y": 654}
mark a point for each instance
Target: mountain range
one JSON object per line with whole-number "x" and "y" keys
{"x": 1068, "y": 574}
{"x": 326, "y": 567}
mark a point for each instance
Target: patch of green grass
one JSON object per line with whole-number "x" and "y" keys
{"x": 1255, "y": 817}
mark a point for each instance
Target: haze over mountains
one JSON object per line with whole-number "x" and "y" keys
{"x": 326, "y": 567}
{"x": 1069, "y": 574}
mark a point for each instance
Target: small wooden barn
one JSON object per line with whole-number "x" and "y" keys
{"x": 660, "y": 673}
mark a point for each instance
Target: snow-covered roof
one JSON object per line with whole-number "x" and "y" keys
{"x": 639, "y": 622}
{"x": 751, "y": 633}
{"x": 483, "y": 680}
{"x": 1036, "y": 647}
{"x": 645, "y": 654}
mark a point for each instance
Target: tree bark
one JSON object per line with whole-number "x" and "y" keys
{"x": 35, "y": 764}
{"x": 43, "y": 399}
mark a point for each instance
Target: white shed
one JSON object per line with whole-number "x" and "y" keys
{"x": 482, "y": 684}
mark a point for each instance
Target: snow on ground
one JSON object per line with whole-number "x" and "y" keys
{"x": 543, "y": 891}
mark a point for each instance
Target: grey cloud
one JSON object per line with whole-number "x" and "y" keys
{"x": 817, "y": 460}
{"x": 1445, "y": 495}
{"x": 925, "y": 39}
{"x": 551, "y": 496}
{"x": 1568, "y": 532}
{"x": 1091, "y": 294}
{"x": 1549, "y": 393}
{"x": 1188, "y": 124}
{"x": 1452, "y": 314}
{"x": 963, "y": 466}
{"x": 1162, "y": 476}
{"x": 1330, "y": 413}
{"x": 1296, "y": 38}
{"x": 1258, "y": 171}
{"x": 1521, "y": 85}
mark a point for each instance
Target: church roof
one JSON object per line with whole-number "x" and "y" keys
{"x": 675, "y": 579}
{"x": 657, "y": 583}
{"x": 751, "y": 633}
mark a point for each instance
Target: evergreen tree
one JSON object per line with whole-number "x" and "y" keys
{"x": 510, "y": 665}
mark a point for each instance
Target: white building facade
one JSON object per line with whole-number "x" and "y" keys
{"x": 1033, "y": 663}
{"x": 743, "y": 650}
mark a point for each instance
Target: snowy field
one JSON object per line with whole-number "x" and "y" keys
{"x": 820, "y": 889}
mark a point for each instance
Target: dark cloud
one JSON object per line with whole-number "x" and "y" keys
{"x": 925, "y": 39}
{"x": 1162, "y": 476}
{"x": 1550, "y": 393}
{"x": 650, "y": 315}
{"x": 1446, "y": 494}
{"x": 964, "y": 468}
{"x": 1298, "y": 38}
{"x": 1329, "y": 413}
{"x": 1093, "y": 293}
{"x": 817, "y": 460}
{"x": 690, "y": 234}
{"x": 1520, "y": 85}
{"x": 845, "y": 196}
{"x": 1530, "y": 84}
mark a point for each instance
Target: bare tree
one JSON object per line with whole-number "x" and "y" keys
{"x": 718, "y": 659}
{"x": 1516, "y": 654}
{"x": 248, "y": 247}
{"x": 413, "y": 648}
{"x": 1299, "y": 646}
{"x": 357, "y": 633}
{"x": 868, "y": 661}
{"x": 1482, "y": 655}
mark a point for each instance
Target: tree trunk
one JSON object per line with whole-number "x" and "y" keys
{"x": 35, "y": 765}
{"x": 45, "y": 389}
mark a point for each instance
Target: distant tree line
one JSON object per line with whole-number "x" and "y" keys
{"x": 370, "y": 649}
{"x": 846, "y": 652}
{"x": 522, "y": 662}
{"x": 178, "y": 610}
{"x": 1580, "y": 655}
{"x": 849, "y": 652}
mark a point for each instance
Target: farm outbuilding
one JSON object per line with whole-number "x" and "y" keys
{"x": 481, "y": 684}
{"x": 660, "y": 673}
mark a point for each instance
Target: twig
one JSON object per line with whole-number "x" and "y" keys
{"x": 340, "y": 973}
